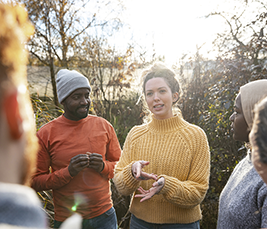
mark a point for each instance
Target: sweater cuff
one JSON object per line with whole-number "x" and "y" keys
{"x": 105, "y": 170}
{"x": 168, "y": 186}
{"x": 66, "y": 173}
{"x": 128, "y": 176}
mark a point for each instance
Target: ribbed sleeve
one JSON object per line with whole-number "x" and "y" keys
{"x": 125, "y": 182}
{"x": 177, "y": 151}
{"x": 190, "y": 192}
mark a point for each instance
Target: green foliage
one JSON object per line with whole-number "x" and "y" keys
{"x": 123, "y": 115}
{"x": 48, "y": 205}
{"x": 44, "y": 110}
{"x": 208, "y": 102}
{"x": 121, "y": 204}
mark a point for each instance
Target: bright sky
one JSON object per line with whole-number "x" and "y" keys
{"x": 175, "y": 27}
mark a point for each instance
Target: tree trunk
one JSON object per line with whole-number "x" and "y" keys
{"x": 53, "y": 81}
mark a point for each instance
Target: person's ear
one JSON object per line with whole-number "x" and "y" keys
{"x": 175, "y": 97}
{"x": 13, "y": 117}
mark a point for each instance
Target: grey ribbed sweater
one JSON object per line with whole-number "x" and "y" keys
{"x": 243, "y": 201}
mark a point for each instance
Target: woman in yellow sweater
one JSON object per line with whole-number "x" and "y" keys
{"x": 165, "y": 162}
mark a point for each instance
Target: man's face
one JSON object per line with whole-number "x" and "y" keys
{"x": 77, "y": 104}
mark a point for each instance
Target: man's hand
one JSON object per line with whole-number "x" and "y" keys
{"x": 95, "y": 161}
{"x": 155, "y": 189}
{"x": 139, "y": 174}
{"x": 78, "y": 163}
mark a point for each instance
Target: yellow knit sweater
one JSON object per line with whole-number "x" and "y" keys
{"x": 177, "y": 151}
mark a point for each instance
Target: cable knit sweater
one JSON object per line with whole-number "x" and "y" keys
{"x": 177, "y": 151}
{"x": 243, "y": 201}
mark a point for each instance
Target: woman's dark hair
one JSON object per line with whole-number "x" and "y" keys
{"x": 259, "y": 130}
{"x": 159, "y": 70}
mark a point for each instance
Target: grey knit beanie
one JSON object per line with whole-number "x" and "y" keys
{"x": 68, "y": 81}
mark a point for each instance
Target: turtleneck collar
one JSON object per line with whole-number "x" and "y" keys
{"x": 167, "y": 125}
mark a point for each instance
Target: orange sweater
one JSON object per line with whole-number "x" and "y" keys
{"x": 88, "y": 193}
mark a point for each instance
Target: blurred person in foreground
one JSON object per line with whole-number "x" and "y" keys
{"x": 19, "y": 204}
{"x": 166, "y": 162}
{"x": 243, "y": 201}
{"x": 258, "y": 139}
{"x": 81, "y": 151}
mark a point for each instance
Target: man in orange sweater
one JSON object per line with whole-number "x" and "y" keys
{"x": 81, "y": 151}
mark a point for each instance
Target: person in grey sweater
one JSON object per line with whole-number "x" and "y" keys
{"x": 243, "y": 201}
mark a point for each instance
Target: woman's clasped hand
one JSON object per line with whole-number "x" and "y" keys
{"x": 140, "y": 175}
{"x": 155, "y": 189}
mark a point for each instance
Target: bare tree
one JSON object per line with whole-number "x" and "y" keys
{"x": 244, "y": 37}
{"x": 59, "y": 25}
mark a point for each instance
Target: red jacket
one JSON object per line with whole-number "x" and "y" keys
{"x": 88, "y": 193}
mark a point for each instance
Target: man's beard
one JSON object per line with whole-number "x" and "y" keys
{"x": 81, "y": 116}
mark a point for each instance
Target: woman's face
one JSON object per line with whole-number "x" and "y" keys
{"x": 159, "y": 98}
{"x": 239, "y": 125}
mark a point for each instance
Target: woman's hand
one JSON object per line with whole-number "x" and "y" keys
{"x": 138, "y": 174}
{"x": 155, "y": 189}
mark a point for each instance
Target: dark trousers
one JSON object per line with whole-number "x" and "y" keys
{"x": 104, "y": 221}
{"x": 141, "y": 224}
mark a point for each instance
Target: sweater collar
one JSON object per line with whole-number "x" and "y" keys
{"x": 167, "y": 125}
